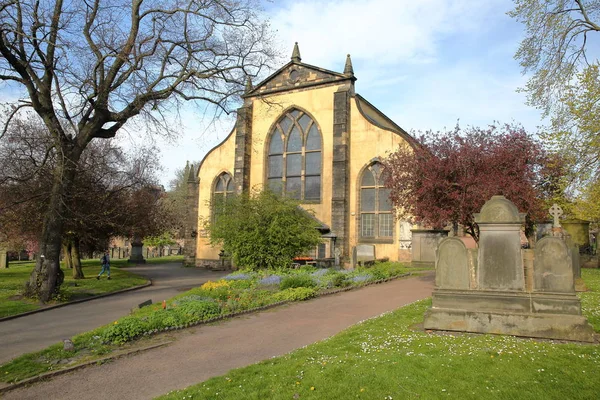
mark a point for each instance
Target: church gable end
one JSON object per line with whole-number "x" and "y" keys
{"x": 295, "y": 75}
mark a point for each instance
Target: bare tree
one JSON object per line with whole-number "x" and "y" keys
{"x": 89, "y": 67}
{"x": 104, "y": 199}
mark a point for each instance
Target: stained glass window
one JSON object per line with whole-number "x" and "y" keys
{"x": 294, "y": 159}
{"x": 223, "y": 189}
{"x": 376, "y": 218}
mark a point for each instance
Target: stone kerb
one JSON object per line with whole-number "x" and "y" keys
{"x": 452, "y": 265}
{"x": 552, "y": 267}
{"x": 500, "y": 260}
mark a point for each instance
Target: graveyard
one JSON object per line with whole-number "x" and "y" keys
{"x": 436, "y": 241}
{"x": 503, "y": 322}
{"x": 497, "y": 327}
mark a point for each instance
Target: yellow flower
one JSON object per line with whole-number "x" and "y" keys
{"x": 210, "y": 285}
{"x": 362, "y": 389}
{"x": 312, "y": 388}
{"x": 297, "y": 383}
{"x": 116, "y": 322}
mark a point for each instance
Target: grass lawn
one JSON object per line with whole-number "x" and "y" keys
{"x": 13, "y": 279}
{"x": 389, "y": 357}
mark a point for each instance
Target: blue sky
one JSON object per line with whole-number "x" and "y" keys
{"x": 426, "y": 63}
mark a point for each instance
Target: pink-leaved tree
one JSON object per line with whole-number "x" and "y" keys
{"x": 446, "y": 177}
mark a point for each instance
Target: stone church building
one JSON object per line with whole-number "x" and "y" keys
{"x": 304, "y": 132}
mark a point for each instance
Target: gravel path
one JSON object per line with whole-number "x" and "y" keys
{"x": 38, "y": 331}
{"x": 207, "y": 351}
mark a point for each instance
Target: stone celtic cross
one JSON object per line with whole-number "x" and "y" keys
{"x": 556, "y": 212}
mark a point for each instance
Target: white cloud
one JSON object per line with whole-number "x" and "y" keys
{"x": 465, "y": 92}
{"x": 380, "y": 31}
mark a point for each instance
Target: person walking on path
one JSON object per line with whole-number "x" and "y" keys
{"x": 105, "y": 261}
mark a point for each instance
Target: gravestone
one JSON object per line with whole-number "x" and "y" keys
{"x": 452, "y": 264}
{"x": 500, "y": 299}
{"x": 3, "y": 251}
{"x": 364, "y": 252}
{"x": 552, "y": 266}
{"x": 137, "y": 252}
{"x": 424, "y": 245}
{"x": 542, "y": 229}
{"x": 501, "y": 264}
{"x": 3, "y": 258}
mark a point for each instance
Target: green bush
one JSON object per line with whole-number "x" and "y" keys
{"x": 184, "y": 313}
{"x": 241, "y": 283}
{"x": 296, "y": 281}
{"x": 199, "y": 311}
{"x": 383, "y": 270}
{"x": 295, "y": 294}
{"x": 124, "y": 330}
{"x": 340, "y": 280}
{"x": 263, "y": 230}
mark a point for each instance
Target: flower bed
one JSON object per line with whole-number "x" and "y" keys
{"x": 239, "y": 292}
{"x": 242, "y": 291}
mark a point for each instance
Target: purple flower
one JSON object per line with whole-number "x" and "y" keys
{"x": 270, "y": 280}
{"x": 237, "y": 277}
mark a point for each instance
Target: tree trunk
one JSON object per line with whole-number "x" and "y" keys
{"x": 67, "y": 253}
{"x": 46, "y": 278}
{"x": 76, "y": 260}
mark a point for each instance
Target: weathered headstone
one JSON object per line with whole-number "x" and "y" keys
{"x": 502, "y": 301}
{"x": 3, "y": 257}
{"x": 501, "y": 264}
{"x": 452, "y": 264}
{"x": 3, "y": 251}
{"x": 337, "y": 253}
{"x": 137, "y": 252}
{"x": 364, "y": 252}
{"x": 424, "y": 245}
{"x": 552, "y": 266}
{"x": 68, "y": 345}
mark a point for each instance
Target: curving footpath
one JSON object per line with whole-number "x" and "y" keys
{"x": 39, "y": 330}
{"x": 207, "y": 351}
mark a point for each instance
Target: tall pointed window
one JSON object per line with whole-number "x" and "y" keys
{"x": 376, "y": 219}
{"x": 294, "y": 164}
{"x": 223, "y": 189}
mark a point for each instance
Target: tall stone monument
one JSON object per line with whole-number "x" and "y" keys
{"x": 3, "y": 251}
{"x": 3, "y": 257}
{"x": 487, "y": 290}
{"x": 137, "y": 252}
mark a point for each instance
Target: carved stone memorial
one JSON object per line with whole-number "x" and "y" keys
{"x": 424, "y": 245}
{"x": 3, "y": 251}
{"x": 3, "y": 258}
{"x": 486, "y": 290}
{"x": 364, "y": 252}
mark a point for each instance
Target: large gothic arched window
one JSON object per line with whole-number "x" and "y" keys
{"x": 376, "y": 219}
{"x": 222, "y": 189}
{"x": 294, "y": 160}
